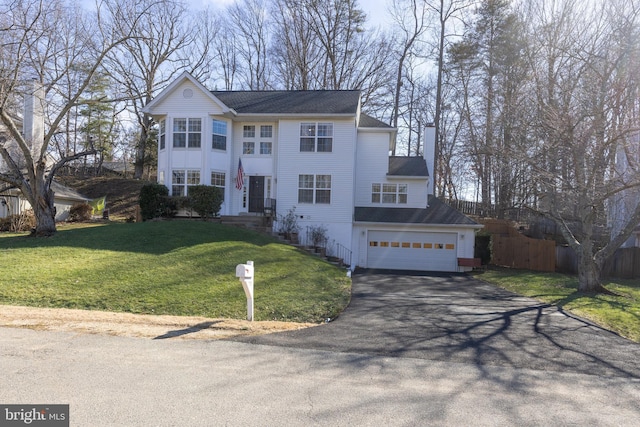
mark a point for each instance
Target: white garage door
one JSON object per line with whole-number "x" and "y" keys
{"x": 412, "y": 251}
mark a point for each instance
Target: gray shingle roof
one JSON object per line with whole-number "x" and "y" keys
{"x": 64, "y": 192}
{"x": 407, "y": 166}
{"x": 366, "y": 121}
{"x": 291, "y": 102}
{"x": 437, "y": 213}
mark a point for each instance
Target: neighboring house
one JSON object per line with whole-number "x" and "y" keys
{"x": 624, "y": 203}
{"x": 316, "y": 152}
{"x": 32, "y": 121}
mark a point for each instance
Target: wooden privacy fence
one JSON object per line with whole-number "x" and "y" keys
{"x": 624, "y": 264}
{"x": 523, "y": 252}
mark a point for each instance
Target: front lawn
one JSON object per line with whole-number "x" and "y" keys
{"x": 170, "y": 267}
{"x": 618, "y": 313}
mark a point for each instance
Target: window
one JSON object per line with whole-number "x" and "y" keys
{"x": 162, "y": 134}
{"x": 325, "y": 137}
{"x": 265, "y": 147}
{"x": 266, "y": 131}
{"x": 195, "y": 133}
{"x": 187, "y": 133}
{"x": 388, "y": 193}
{"x": 316, "y": 137}
{"x": 248, "y": 147}
{"x": 257, "y": 140}
{"x": 218, "y": 180}
{"x": 314, "y": 189}
{"x": 249, "y": 131}
{"x": 181, "y": 181}
{"x": 179, "y": 133}
{"x": 305, "y": 189}
{"x": 219, "y": 137}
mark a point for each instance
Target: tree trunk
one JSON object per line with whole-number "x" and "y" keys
{"x": 141, "y": 150}
{"x": 45, "y": 213}
{"x": 589, "y": 273}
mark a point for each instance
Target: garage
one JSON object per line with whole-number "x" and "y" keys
{"x": 408, "y": 250}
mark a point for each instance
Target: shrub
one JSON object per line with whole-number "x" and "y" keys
{"x": 25, "y": 221}
{"x": 205, "y": 200}
{"x": 154, "y": 201}
{"x": 289, "y": 222}
{"x": 318, "y": 235}
{"x": 80, "y": 212}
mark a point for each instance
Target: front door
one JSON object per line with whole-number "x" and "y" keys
{"x": 256, "y": 194}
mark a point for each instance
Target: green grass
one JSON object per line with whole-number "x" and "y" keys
{"x": 171, "y": 267}
{"x": 620, "y": 313}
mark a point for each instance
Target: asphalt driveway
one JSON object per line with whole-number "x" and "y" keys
{"x": 457, "y": 318}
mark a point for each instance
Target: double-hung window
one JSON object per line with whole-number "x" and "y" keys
{"x": 187, "y": 133}
{"x": 218, "y": 180}
{"x": 316, "y": 137}
{"x": 162, "y": 134}
{"x": 389, "y": 193}
{"x": 181, "y": 180}
{"x": 314, "y": 189}
{"x": 219, "y": 137}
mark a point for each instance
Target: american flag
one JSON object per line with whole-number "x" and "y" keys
{"x": 240, "y": 176}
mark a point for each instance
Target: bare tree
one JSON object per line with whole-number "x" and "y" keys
{"x": 149, "y": 58}
{"x": 251, "y": 27}
{"x": 35, "y": 47}
{"x": 410, "y": 22}
{"x": 587, "y": 97}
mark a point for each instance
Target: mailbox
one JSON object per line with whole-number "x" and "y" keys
{"x": 245, "y": 273}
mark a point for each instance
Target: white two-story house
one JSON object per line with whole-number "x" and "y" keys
{"x": 316, "y": 153}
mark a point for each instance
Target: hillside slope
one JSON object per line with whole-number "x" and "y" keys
{"x": 122, "y": 193}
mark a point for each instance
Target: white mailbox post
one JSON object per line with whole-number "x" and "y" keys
{"x": 245, "y": 273}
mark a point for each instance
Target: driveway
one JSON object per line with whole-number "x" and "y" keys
{"x": 458, "y": 318}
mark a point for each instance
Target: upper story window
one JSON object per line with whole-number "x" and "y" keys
{"x": 388, "y": 193}
{"x": 257, "y": 140}
{"x": 316, "y": 137}
{"x": 265, "y": 147}
{"x": 248, "y": 147}
{"x": 162, "y": 134}
{"x": 266, "y": 131}
{"x": 249, "y": 131}
{"x": 219, "y": 136}
{"x": 181, "y": 180}
{"x": 314, "y": 189}
{"x": 187, "y": 133}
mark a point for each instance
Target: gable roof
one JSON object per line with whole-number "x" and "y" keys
{"x": 437, "y": 213}
{"x": 185, "y": 76}
{"x": 407, "y": 166}
{"x": 342, "y": 102}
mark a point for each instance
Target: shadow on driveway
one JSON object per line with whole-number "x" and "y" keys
{"x": 457, "y": 318}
